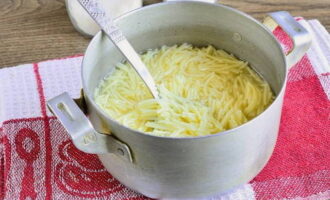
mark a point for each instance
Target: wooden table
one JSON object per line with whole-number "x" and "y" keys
{"x": 36, "y": 30}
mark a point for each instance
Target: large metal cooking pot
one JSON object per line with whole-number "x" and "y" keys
{"x": 161, "y": 167}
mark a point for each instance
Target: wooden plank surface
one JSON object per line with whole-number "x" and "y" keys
{"x": 36, "y": 30}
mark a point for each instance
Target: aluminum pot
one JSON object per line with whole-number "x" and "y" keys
{"x": 162, "y": 167}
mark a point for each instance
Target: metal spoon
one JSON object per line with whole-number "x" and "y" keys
{"x": 96, "y": 11}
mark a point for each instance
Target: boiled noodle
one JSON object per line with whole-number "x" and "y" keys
{"x": 203, "y": 91}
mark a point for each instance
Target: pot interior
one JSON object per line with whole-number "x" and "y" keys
{"x": 196, "y": 23}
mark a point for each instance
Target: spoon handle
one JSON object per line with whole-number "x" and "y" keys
{"x": 107, "y": 24}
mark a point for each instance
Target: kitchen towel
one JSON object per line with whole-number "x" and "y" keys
{"x": 39, "y": 161}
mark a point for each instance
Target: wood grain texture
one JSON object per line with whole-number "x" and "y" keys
{"x": 36, "y": 30}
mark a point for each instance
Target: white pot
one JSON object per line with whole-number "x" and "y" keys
{"x": 86, "y": 25}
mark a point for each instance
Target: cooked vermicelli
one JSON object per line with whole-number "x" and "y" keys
{"x": 203, "y": 91}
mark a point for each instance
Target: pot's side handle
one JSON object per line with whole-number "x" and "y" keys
{"x": 83, "y": 135}
{"x": 301, "y": 38}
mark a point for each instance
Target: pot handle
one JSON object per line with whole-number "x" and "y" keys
{"x": 81, "y": 131}
{"x": 301, "y": 38}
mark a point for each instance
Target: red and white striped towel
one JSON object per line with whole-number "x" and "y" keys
{"x": 38, "y": 160}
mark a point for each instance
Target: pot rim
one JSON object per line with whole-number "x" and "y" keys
{"x": 105, "y": 115}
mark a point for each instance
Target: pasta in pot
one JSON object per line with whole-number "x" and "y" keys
{"x": 202, "y": 91}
